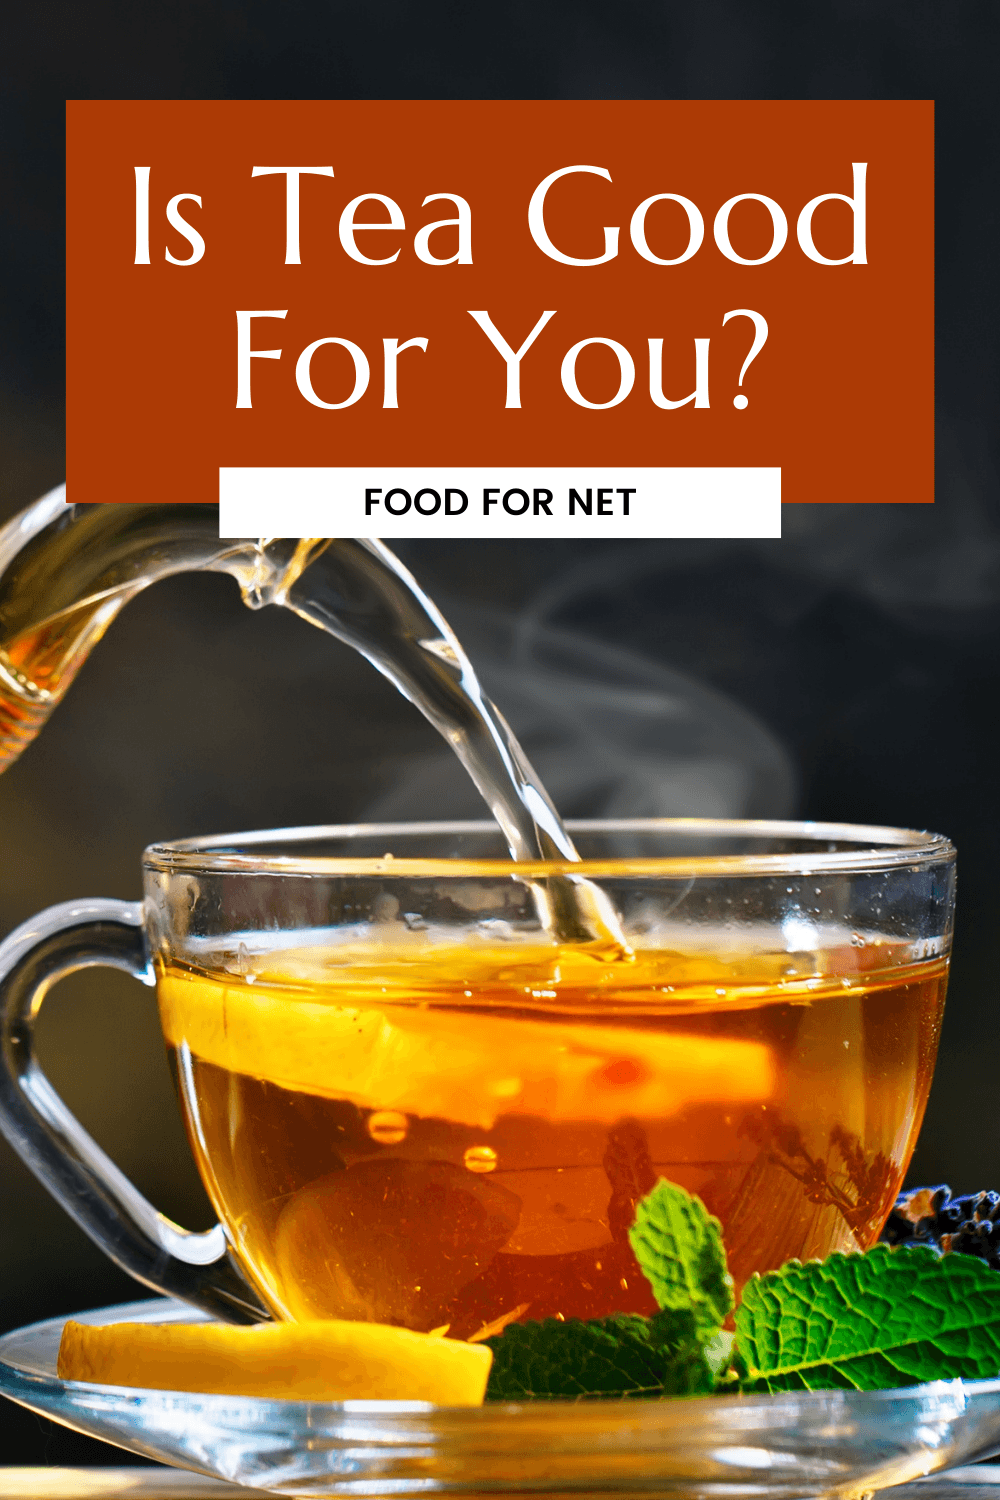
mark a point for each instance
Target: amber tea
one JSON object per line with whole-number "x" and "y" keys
{"x": 456, "y": 1133}
{"x": 459, "y": 1137}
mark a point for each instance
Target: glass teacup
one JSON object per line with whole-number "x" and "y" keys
{"x": 410, "y": 1105}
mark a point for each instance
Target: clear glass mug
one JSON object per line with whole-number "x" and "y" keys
{"x": 409, "y": 1105}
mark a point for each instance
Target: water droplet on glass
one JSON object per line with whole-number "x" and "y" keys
{"x": 384, "y": 907}
{"x": 494, "y": 927}
{"x": 857, "y": 941}
{"x": 388, "y": 1127}
{"x": 480, "y": 1158}
{"x": 240, "y": 961}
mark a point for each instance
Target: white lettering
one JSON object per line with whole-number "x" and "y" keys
{"x": 392, "y": 350}
{"x": 700, "y": 393}
{"x": 292, "y": 175}
{"x": 857, "y": 205}
{"x": 540, "y": 235}
{"x": 142, "y": 216}
{"x": 778, "y": 222}
{"x": 244, "y": 354}
{"x": 696, "y": 228}
{"x": 303, "y": 374}
{"x": 759, "y": 322}
{"x": 626, "y": 382}
{"x": 191, "y": 234}
{"x": 513, "y": 359}
{"x": 348, "y": 227}
{"x": 422, "y": 239}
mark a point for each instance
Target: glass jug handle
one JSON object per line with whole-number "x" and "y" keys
{"x": 195, "y": 1267}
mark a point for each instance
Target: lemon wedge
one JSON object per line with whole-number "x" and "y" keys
{"x": 316, "y": 1361}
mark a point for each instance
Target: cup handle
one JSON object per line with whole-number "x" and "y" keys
{"x": 78, "y": 935}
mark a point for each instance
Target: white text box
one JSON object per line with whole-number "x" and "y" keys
{"x": 443, "y": 502}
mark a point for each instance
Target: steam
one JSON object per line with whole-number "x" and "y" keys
{"x": 611, "y": 733}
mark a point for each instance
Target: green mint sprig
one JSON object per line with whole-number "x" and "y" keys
{"x": 679, "y": 1247}
{"x": 678, "y": 1352}
{"x": 625, "y": 1355}
{"x": 868, "y": 1322}
{"x": 859, "y": 1322}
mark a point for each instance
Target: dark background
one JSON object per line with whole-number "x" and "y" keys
{"x": 849, "y": 671}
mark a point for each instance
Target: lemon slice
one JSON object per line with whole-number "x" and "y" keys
{"x": 467, "y": 1068}
{"x": 316, "y": 1361}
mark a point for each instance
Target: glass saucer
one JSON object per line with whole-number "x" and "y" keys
{"x": 720, "y": 1448}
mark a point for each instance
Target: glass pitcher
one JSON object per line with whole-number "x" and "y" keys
{"x": 66, "y": 571}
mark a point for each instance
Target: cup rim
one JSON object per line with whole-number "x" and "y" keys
{"x": 879, "y": 848}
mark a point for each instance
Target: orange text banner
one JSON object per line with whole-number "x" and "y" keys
{"x": 596, "y": 285}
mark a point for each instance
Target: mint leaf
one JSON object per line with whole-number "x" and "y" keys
{"x": 866, "y": 1322}
{"x": 679, "y": 1247}
{"x": 719, "y": 1354}
{"x": 679, "y": 1352}
{"x": 625, "y": 1355}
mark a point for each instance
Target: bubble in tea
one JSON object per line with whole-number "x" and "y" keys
{"x": 480, "y": 1158}
{"x": 388, "y": 1127}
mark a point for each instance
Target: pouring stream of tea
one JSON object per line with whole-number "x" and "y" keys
{"x": 66, "y": 571}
